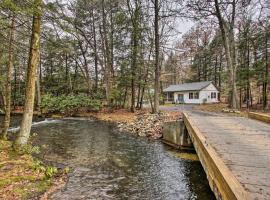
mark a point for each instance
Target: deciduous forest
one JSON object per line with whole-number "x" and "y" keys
{"x": 59, "y": 55}
{"x": 134, "y": 99}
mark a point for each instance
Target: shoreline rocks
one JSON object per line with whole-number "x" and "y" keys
{"x": 147, "y": 124}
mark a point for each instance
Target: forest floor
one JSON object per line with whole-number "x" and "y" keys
{"x": 217, "y": 107}
{"x": 124, "y": 115}
{"x": 220, "y": 107}
{"x": 117, "y": 115}
{"x": 23, "y": 177}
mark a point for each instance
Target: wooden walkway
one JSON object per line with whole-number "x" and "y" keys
{"x": 235, "y": 153}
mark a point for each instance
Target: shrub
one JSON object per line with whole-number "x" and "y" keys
{"x": 27, "y": 149}
{"x": 68, "y": 103}
{"x": 49, "y": 171}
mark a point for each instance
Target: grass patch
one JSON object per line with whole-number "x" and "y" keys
{"x": 170, "y": 104}
{"x": 217, "y": 107}
{"x": 33, "y": 189}
{"x": 11, "y": 179}
{"x": 21, "y": 176}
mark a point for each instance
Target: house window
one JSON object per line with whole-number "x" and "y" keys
{"x": 196, "y": 95}
{"x": 213, "y": 95}
{"x": 169, "y": 96}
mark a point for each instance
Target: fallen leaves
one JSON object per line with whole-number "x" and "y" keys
{"x": 215, "y": 107}
{"x": 18, "y": 177}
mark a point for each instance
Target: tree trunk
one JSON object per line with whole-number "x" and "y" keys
{"x": 248, "y": 77}
{"x": 75, "y": 75}
{"x": 15, "y": 88}
{"x": 105, "y": 68}
{"x": 111, "y": 45}
{"x": 95, "y": 51}
{"x": 138, "y": 96}
{"x": 240, "y": 98}
{"x": 205, "y": 68}
{"x": 157, "y": 69}
{"x": 26, "y": 123}
{"x": 10, "y": 66}
{"x": 135, "y": 33}
{"x": 228, "y": 42}
{"x": 144, "y": 84}
{"x": 215, "y": 70}
{"x": 150, "y": 99}
{"x": 106, "y": 52}
{"x": 85, "y": 67}
{"x": 265, "y": 82}
{"x": 142, "y": 94}
{"x": 68, "y": 77}
{"x": 220, "y": 70}
{"x": 38, "y": 87}
{"x": 125, "y": 97}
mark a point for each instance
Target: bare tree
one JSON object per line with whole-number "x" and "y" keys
{"x": 157, "y": 67}
{"x": 225, "y": 13}
{"x": 227, "y": 32}
{"x": 26, "y": 123}
{"x": 10, "y": 66}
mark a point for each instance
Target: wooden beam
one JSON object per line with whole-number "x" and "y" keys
{"x": 259, "y": 116}
{"x": 221, "y": 180}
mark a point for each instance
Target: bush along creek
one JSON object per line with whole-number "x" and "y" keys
{"x": 141, "y": 123}
{"x": 69, "y": 104}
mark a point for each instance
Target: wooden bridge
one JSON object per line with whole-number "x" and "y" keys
{"x": 234, "y": 152}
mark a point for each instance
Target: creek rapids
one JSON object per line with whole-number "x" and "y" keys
{"x": 106, "y": 164}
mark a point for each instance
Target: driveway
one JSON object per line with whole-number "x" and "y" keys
{"x": 177, "y": 107}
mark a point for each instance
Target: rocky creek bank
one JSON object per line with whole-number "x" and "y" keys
{"x": 142, "y": 122}
{"x": 147, "y": 124}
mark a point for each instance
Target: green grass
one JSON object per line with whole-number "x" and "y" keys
{"x": 22, "y": 177}
{"x": 30, "y": 190}
{"x": 9, "y": 180}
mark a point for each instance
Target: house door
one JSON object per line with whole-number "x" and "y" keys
{"x": 180, "y": 98}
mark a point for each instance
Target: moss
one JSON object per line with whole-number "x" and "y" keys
{"x": 22, "y": 177}
{"x": 9, "y": 180}
{"x": 4, "y": 182}
{"x": 186, "y": 156}
{"x": 33, "y": 189}
{"x": 42, "y": 186}
{"x": 4, "y": 144}
{"x": 20, "y": 191}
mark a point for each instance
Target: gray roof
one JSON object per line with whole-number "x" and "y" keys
{"x": 187, "y": 86}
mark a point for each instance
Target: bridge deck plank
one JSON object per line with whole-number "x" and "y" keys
{"x": 243, "y": 145}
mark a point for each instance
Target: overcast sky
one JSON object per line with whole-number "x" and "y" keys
{"x": 183, "y": 26}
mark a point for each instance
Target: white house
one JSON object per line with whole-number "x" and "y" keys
{"x": 193, "y": 93}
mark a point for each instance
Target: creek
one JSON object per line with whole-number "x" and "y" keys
{"x": 106, "y": 164}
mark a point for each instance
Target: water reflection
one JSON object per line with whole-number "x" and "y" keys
{"x": 109, "y": 165}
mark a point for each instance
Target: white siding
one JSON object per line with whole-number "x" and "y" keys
{"x": 204, "y": 96}
{"x": 186, "y": 98}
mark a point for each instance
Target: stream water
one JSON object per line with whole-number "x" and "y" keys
{"x": 110, "y": 165}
